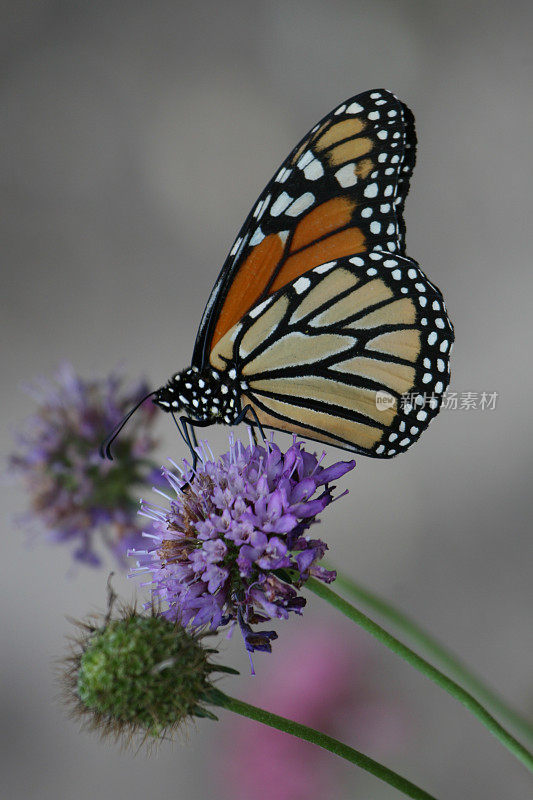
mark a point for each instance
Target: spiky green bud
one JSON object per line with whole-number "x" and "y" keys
{"x": 141, "y": 673}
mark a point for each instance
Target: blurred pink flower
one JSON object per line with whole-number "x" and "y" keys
{"x": 321, "y": 677}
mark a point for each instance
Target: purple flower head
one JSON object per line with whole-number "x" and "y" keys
{"x": 75, "y": 495}
{"x": 232, "y": 547}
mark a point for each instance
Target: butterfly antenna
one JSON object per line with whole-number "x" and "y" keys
{"x": 105, "y": 447}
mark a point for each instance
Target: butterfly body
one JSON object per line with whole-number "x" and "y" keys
{"x": 319, "y": 323}
{"x": 205, "y": 395}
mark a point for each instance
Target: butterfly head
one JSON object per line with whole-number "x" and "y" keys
{"x": 206, "y": 395}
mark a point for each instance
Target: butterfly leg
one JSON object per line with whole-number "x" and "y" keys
{"x": 248, "y": 409}
{"x": 192, "y": 433}
{"x": 189, "y": 434}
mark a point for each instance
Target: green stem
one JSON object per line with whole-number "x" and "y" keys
{"x": 322, "y": 740}
{"x": 446, "y": 658}
{"x": 423, "y": 666}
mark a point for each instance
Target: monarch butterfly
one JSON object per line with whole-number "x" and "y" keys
{"x": 319, "y": 323}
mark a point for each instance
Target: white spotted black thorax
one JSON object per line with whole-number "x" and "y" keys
{"x": 203, "y": 394}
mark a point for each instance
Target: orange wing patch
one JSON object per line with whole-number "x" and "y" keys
{"x": 249, "y": 283}
{"x": 340, "y": 131}
{"x": 343, "y": 243}
{"x": 310, "y": 246}
{"x": 349, "y": 151}
{"x": 364, "y": 167}
{"x": 324, "y": 219}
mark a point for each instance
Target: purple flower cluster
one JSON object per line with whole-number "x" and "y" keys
{"x": 233, "y": 547}
{"x": 76, "y": 495}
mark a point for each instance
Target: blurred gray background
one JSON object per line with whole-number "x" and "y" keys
{"x": 135, "y": 137}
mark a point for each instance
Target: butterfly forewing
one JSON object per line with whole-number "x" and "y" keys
{"x": 319, "y": 324}
{"x": 353, "y": 353}
{"x": 340, "y": 192}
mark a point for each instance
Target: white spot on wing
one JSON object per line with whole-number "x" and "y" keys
{"x": 346, "y": 175}
{"x": 301, "y": 285}
{"x": 235, "y": 246}
{"x": 354, "y": 108}
{"x": 304, "y": 201}
{"x": 314, "y": 170}
{"x": 282, "y": 175}
{"x": 264, "y": 206}
{"x": 305, "y": 159}
{"x": 255, "y": 312}
{"x": 325, "y": 267}
{"x": 280, "y": 204}
{"x": 257, "y": 237}
{"x": 237, "y": 249}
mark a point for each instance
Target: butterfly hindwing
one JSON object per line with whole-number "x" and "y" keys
{"x": 353, "y": 353}
{"x": 340, "y": 191}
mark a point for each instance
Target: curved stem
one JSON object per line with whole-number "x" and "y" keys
{"x": 446, "y": 658}
{"x": 327, "y": 742}
{"x": 423, "y": 666}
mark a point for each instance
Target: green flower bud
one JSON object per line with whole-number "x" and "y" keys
{"x": 141, "y": 674}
